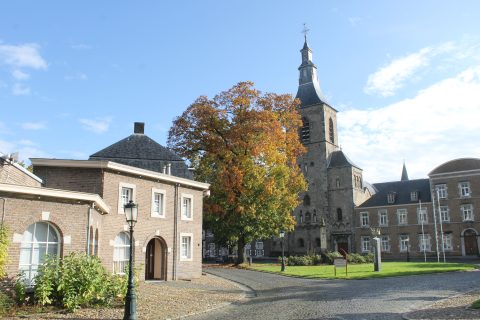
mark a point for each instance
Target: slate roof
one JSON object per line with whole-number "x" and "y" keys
{"x": 138, "y": 150}
{"x": 310, "y": 94}
{"x": 463, "y": 164}
{"x": 339, "y": 159}
{"x": 402, "y": 190}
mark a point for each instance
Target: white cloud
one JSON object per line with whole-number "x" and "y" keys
{"x": 77, "y": 76}
{"x": 392, "y": 77}
{"x": 81, "y": 46}
{"x": 96, "y": 125}
{"x": 439, "y": 124}
{"x": 354, "y": 21}
{"x": 20, "y": 75}
{"x": 20, "y": 89}
{"x": 25, "y": 55}
{"x": 33, "y": 125}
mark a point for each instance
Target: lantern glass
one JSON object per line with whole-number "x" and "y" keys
{"x": 282, "y": 234}
{"x": 131, "y": 212}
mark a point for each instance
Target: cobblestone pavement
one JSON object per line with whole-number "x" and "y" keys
{"x": 164, "y": 300}
{"x": 280, "y": 297}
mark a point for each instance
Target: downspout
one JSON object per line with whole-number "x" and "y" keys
{"x": 88, "y": 227}
{"x": 175, "y": 231}
{"x": 3, "y": 209}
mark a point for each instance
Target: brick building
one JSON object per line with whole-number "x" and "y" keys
{"x": 425, "y": 216}
{"x": 80, "y": 208}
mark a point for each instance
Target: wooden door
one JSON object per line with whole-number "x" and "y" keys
{"x": 150, "y": 260}
{"x": 471, "y": 247}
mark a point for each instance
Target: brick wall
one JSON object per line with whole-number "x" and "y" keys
{"x": 70, "y": 220}
{"x": 73, "y": 179}
{"x": 9, "y": 173}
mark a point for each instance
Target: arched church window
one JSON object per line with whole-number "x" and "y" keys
{"x": 331, "y": 131}
{"x": 339, "y": 214}
{"x": 301, "y": 243}
{"x": 306, "y": 200}
{"x": 314, "y": 218}
{"x": 305, "y": 131}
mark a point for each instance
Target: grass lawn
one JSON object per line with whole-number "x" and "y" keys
{"x": 364, "y": 271}
{"x": 476, "y": 304}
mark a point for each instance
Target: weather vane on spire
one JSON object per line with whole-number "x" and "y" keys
{"x": 305, "y": 31}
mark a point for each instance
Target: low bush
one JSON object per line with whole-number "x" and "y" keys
{"x": 355, "y": 258}
{"x": 77, "y": 280}
{"x": 308, "y": 260}
{"x": 330, "y": 256}
{"x": 4, "y": 243}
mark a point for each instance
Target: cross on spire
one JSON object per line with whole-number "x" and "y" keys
{"x": 305, "y": 31}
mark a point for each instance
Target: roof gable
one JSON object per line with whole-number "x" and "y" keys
{"x": 402, "y": 191}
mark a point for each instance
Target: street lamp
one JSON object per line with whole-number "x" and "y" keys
{"x": 282, "y": 236}
{"x": 131, "y": 215}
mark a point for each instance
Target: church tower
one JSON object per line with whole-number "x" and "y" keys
{"x": 334, "y": 182}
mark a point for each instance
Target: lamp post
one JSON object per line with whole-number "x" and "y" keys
{"x": 408, "y": 250}
{"x": 282, "y": 236}
{"x": 131, "y": 214}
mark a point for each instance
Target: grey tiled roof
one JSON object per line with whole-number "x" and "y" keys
{"x": 339, "y": 159}
{"x": 310, "y": 94}
{"x": 402, "y": 190}
{"x": 457, "y": 165}
{"x": 138, "y": 150}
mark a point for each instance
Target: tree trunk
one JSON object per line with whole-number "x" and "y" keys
{"x": 241, "y": 256}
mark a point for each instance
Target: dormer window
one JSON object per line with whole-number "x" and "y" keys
{"x": 391, "y": 197}
{"x": 414, "y": 196}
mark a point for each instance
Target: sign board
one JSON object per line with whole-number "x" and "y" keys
{"x": 340, "y": 263}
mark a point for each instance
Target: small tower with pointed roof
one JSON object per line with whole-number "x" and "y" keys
{"x": 404, "y": 173}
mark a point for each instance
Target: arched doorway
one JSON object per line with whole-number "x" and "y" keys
{"x": 156, "y": 260}
{"x": 470, "y": 242}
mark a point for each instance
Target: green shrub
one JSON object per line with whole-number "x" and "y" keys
{"x": 330, "y": 256}
{"x": 309, "y": 260}
{"x": 78, "y": 280}
{"x": 369, "y": 257}
{"x": 6, "y": 304}
{"x": 4, "y": 243}
{"x": 20, "y": 290}
{"x": 355, "y": 258}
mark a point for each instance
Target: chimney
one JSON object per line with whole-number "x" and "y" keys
{"x": 169, "y": 169}
{"x": 139, "y": 127}
{"x": 164, "y": 170}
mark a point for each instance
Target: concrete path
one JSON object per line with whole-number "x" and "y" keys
{"x": 280, "y": 297}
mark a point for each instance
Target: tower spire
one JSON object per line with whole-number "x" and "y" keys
{"x": 404, "y": 173}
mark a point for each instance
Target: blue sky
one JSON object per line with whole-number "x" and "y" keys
{"x": 404, "y": 75}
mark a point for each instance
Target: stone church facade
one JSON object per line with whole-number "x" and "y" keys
{"x": 335, "y": 184}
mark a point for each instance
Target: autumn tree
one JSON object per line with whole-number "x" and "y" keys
{"x": 245, "y": 144}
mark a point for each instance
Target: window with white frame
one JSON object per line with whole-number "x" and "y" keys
{"x": 404, "y": 242}
{"x": 187, "y": 207}
{"x": 364, "y": 219}
{"x": 422, "y": 215}
{"x": 365, "y": 244}
{"x": 444, "y": 213}
{"x": 441, "y": 190}
{"x": 424, "y": 243}
{"x": 402, "y": 216}
{"x": 126, "y": 193}
{"x": 464, "y": 189}
{"x": 158, "y": 203}
{"x": 391, "y": 197}
{"x": 382, "y": 218}
{"x": 39, "y": 240}
{"x": 414, "y": 196}
{"x": 467, "y": 212}
{"x": 186, "y": 246}
{"x": 385, "y": 243}
{"x": 259, "y": 245}
{"x": 447, "y": 242}
{"x": 121, "y": 252}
